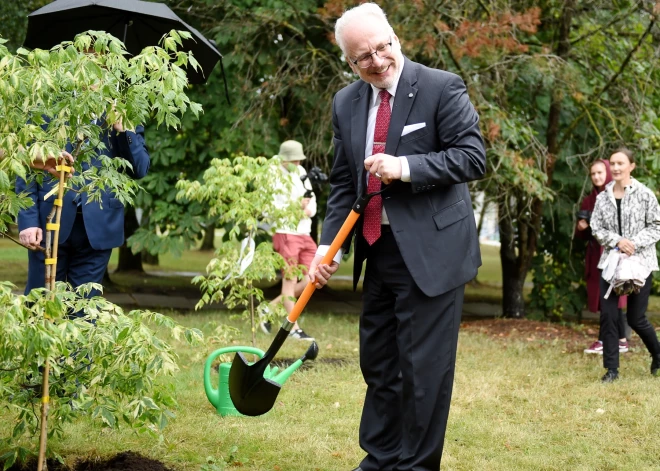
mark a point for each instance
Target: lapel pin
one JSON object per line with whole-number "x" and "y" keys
{"x": 410, "y": 95}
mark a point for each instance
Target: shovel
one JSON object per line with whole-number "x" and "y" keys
{"x": 251, "y": 393}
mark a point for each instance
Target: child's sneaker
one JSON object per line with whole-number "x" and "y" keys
{"x": 623, "y": 346}
{"x": 299, "y": 334}
{"x": 595, "y": 348}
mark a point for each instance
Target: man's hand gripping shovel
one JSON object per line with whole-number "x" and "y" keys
{"x": 251, "y": 393}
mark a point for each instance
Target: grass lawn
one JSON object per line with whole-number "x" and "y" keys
{"x": 519, "y": 403}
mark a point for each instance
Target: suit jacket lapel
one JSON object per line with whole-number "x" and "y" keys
{"x": 359, "y": 115}
{"x": 403, "y": 102}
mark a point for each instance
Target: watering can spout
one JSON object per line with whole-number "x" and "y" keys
{"x": 311, "y": 354}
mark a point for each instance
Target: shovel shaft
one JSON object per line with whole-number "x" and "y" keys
{"x": 327, "y": 260}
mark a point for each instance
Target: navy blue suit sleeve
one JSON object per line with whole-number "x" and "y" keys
{"x": 28, "y": 217}
{"x": 134, "y": 149}
{"x": 463, "y": 155}
{"x": 342, "y": 189}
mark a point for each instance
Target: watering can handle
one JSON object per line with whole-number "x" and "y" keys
{"x": 344, "y": 231}
{"x": 222, "y": 351}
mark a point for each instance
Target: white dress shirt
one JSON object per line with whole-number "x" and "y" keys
{"x": 374, "y": 103}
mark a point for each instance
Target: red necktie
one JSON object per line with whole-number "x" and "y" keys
{"x": 373, "y": 211}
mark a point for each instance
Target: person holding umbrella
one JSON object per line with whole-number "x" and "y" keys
{"x": 89, "y": 230}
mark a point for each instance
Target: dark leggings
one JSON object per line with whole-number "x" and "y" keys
{"x": 636, "y": 311}
{"x": 621, "y": 325}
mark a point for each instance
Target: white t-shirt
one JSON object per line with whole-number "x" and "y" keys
{"x": 298, "y": 190}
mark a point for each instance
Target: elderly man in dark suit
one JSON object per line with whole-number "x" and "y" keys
{"x": 88, "y": 230}
{"x": 413, "y": 129}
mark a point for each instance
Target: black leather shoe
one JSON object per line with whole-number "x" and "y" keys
{"x": 655, "y": 365}
{"x": 610, "y": 376}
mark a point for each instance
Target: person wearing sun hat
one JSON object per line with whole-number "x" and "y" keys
{"x": 294, "y": 244}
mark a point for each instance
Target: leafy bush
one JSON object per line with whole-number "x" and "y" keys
{"x": 104, "y": 362}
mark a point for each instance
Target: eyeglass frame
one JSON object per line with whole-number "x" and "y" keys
{"x": 370, "y": 56}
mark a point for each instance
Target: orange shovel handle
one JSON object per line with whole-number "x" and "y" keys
{"x": 327, "y": 259}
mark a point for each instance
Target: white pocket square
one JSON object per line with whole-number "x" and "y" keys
{"x": 412, "y": 127}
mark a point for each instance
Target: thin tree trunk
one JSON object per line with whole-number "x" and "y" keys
{"x": 150, "y": 259}
{"x": 128, "y": 261}
{"x": 208, "y": 243}
{"x": 513, "y": 301}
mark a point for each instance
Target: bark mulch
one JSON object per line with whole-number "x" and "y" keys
{"x": 575, "y": 337}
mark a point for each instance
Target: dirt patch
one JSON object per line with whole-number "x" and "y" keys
{"x": 577, "y": 337}
{"x": 286, "y": 362}
{"x": 125, "y": 461}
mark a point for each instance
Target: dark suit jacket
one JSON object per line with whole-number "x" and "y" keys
{"x": 105, "y": 227}
{"x": 431, "y": 216}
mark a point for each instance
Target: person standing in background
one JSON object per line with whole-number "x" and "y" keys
{"x": 600, "y": 175}
{"x": 295, "y": 245}
{"x": 89, "y": 230}
{"x": 626, "y": 218}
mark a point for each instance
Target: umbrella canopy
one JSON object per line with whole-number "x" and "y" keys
{"x": 139, "y": 24}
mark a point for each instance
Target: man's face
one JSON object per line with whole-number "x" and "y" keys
{"x": 363, "y": 38}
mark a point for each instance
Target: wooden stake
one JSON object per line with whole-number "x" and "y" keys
{"x": 51, "y": 273}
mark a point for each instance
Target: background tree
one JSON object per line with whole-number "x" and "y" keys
{"x": 556, "y": 83}
{"x": 281, "y": 71}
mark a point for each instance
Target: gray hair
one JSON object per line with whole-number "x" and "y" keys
{"x": 357, "y": 13}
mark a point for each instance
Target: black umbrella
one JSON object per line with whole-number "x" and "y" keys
{"x": 137, "y": 23}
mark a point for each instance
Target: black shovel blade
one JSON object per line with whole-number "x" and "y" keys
{"x": 251, "y": 393}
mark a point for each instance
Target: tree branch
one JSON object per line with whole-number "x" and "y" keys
{"x": 616, "y": 19}
{"x": 627, "y": 59}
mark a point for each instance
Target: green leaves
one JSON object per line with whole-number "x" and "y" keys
{"x": 104, "y": 364}
{"x": 241, "y": 195}
{"x": 73, "y": 89}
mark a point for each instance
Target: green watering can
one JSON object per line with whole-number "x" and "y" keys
{"x": 220, "y": 397}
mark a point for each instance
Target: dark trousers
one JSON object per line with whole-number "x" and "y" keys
{"x": 407, "y": 356}
{"x": 636, "y": 311}
{"x": 77, "y": 261}
{"x": 621, "y": 326}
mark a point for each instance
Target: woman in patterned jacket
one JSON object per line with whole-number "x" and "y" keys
{"x": 626, "y": 217}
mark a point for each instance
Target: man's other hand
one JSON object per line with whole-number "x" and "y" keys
{"x": 384, "y": 167}
{"x": 31, "y": 237}
{"x": 321, "y": 273}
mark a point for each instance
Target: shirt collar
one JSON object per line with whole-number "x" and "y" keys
{"x": 392, "y": 89}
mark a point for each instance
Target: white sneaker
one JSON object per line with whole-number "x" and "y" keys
{"x": 299, "y": 334}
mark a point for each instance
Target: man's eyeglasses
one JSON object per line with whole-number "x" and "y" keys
{"x": 383, "y": 51}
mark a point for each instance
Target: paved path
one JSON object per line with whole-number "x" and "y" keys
{"x": 326, "y": 300}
